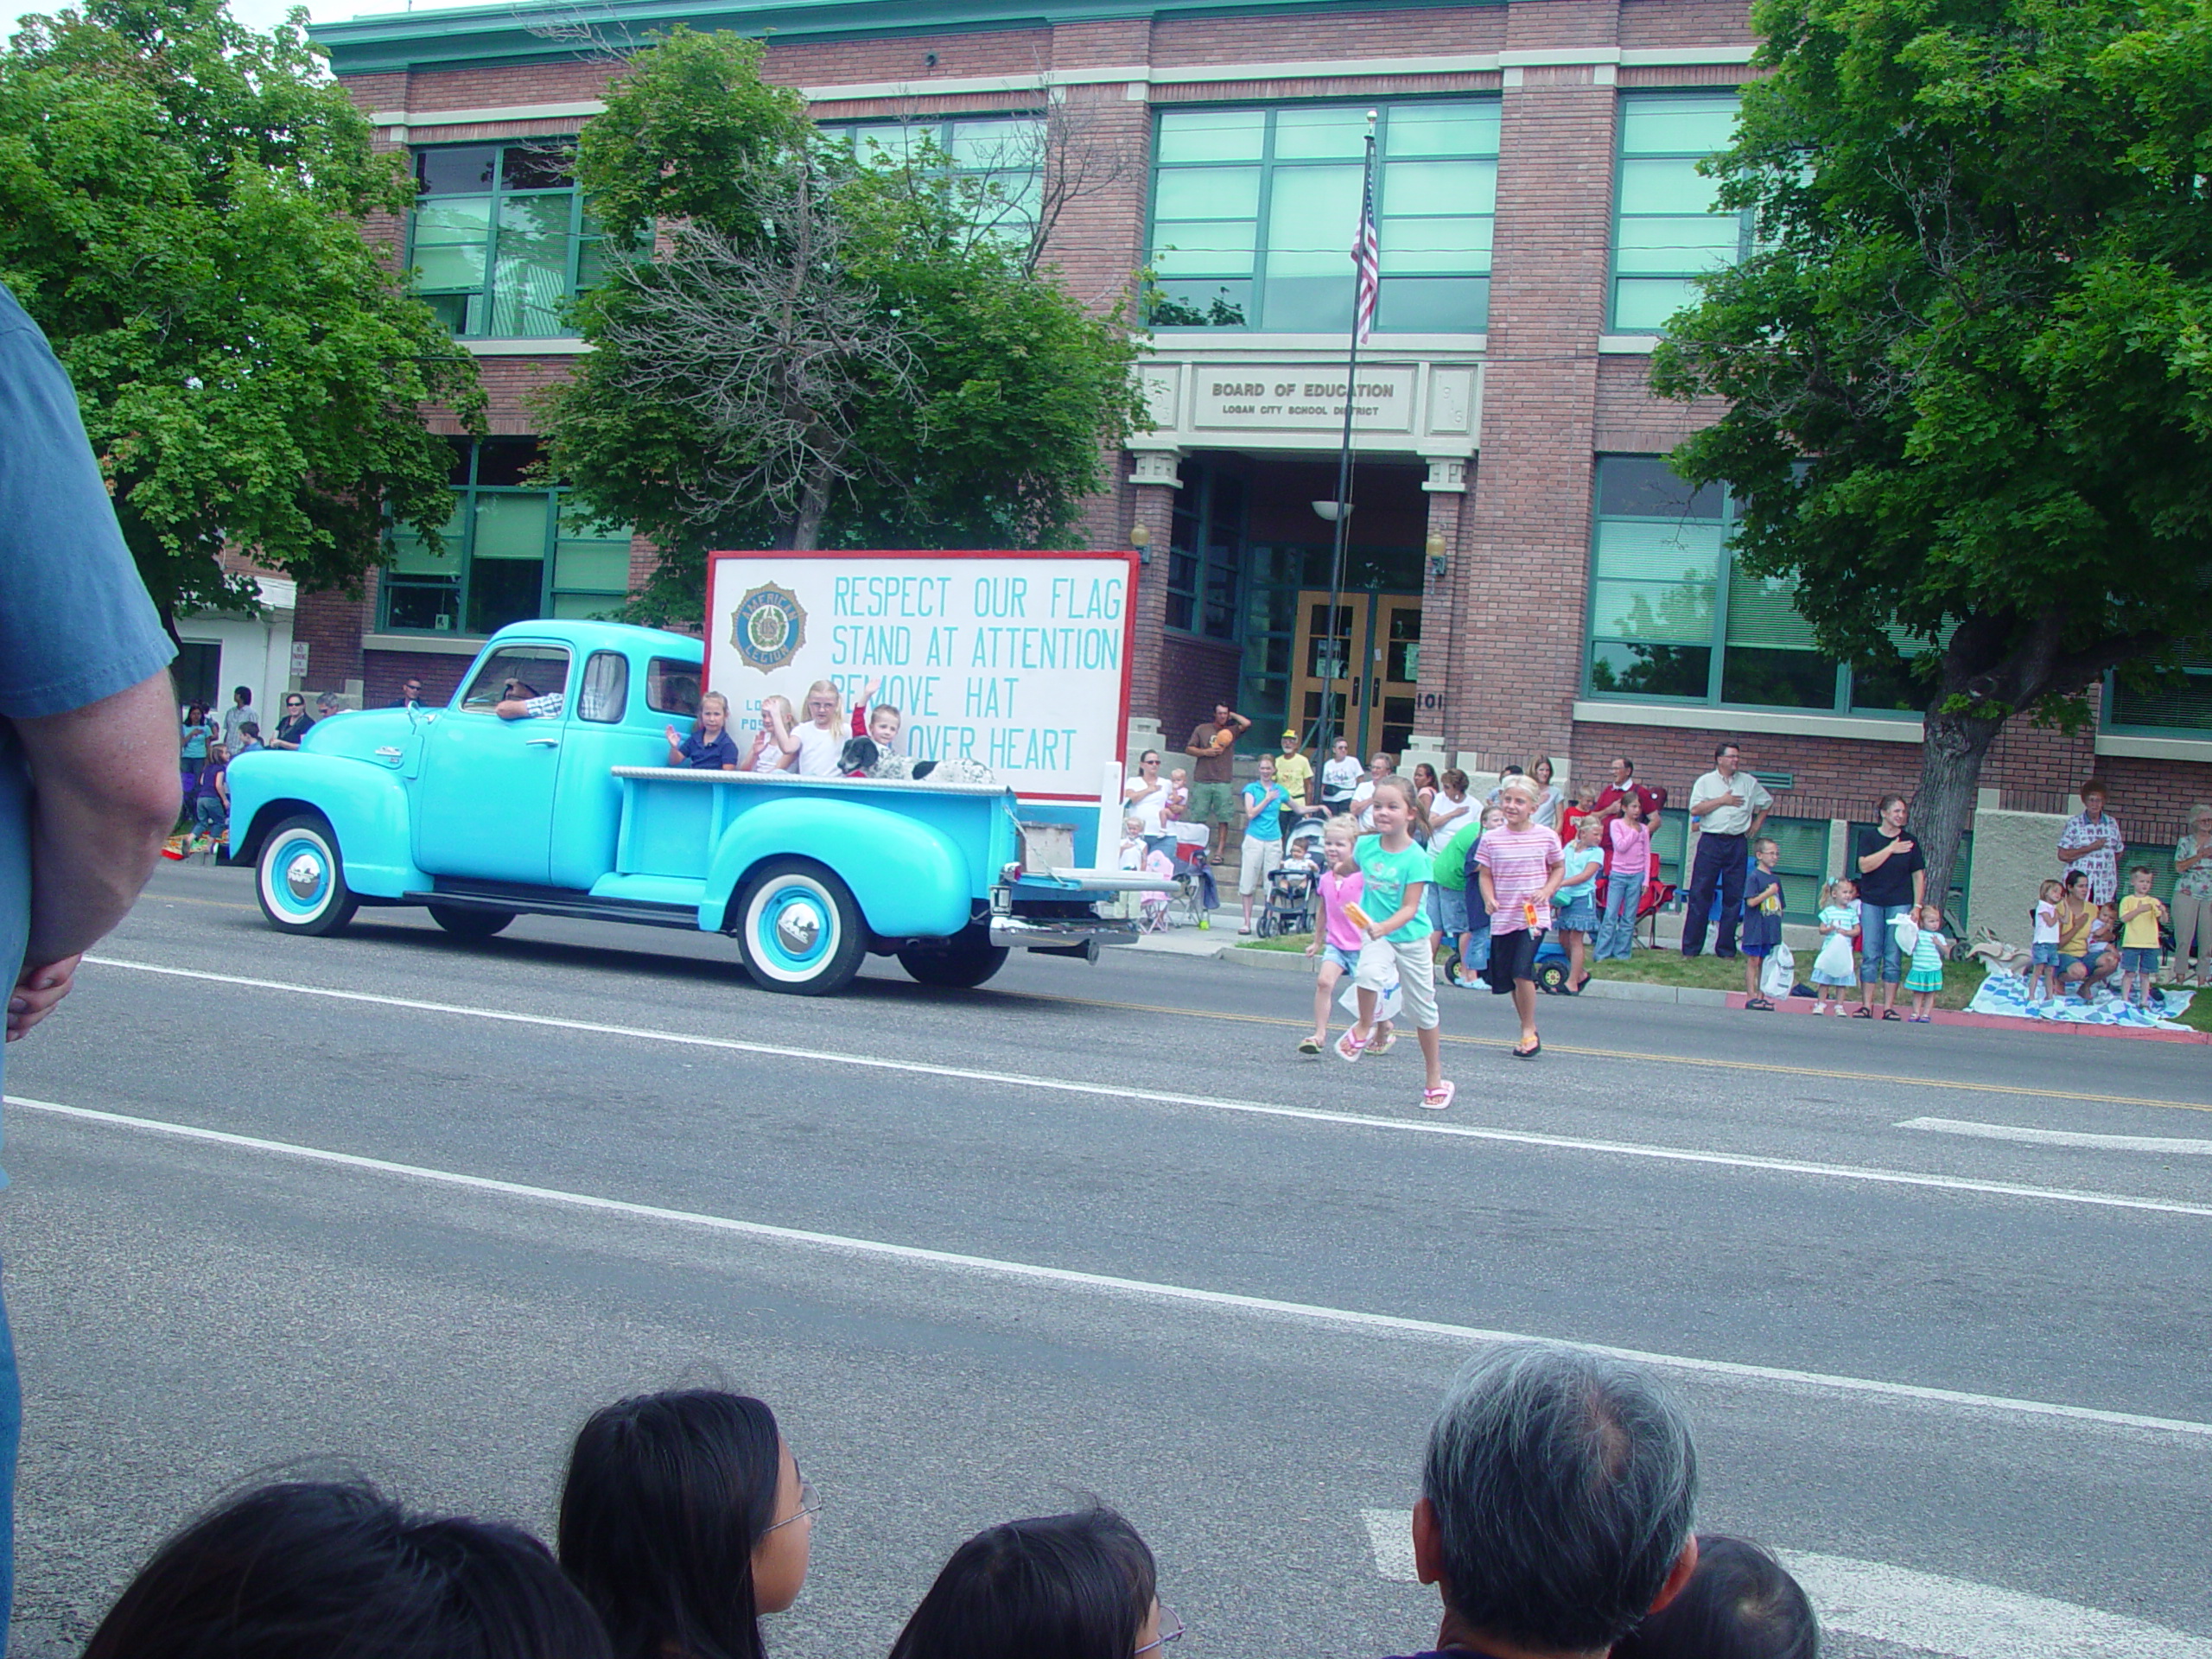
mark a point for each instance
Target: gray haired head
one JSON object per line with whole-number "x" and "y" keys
{"x": 1563, "y": 1484}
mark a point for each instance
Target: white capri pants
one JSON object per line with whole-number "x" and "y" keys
{"x": 1413, "y": 964}
{"x": 1261, "y": 857}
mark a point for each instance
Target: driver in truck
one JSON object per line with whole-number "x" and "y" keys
{"x": 519, "y": 700}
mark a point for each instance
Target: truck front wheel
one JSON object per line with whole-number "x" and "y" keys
{"x": 959, "y": 963}
{"x": 801, "y": 930}
{"x": 302, "y": 878}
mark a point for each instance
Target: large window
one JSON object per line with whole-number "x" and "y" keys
{"x": 2168, "y": 705}
{"x": 1205, "y": 552}
{"x": 508, "y": 557}
{"x": 1668, "y": 228}
{"x": 994, "y": 159}
{"x": 1254, "y": 212}
{"x": 1673, "y": 615}
{"x": 500, "y": 238}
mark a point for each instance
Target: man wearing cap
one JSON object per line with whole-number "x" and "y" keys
{"x": 1295, "y": 774}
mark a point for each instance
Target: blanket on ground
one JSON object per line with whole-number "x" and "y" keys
{"x": 2007, "y": 994}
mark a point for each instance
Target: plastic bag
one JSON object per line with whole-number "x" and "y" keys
{"x": 1835, "y": 964}
{"x": 1908, "y": 933}
{"x": 1779, "y": 974}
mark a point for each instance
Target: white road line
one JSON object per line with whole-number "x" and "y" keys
{"x": 2177, "y": 1145}
{"x": 1390, "y": 1534}
{"x": 1118, "y": 1091}
{"x": 1975, "y": 1621}
{"x": 1955, "y": 1616}
{"x": 1145, "y": 1288}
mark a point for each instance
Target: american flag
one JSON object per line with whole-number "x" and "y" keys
{"x": 1367, "y": 255}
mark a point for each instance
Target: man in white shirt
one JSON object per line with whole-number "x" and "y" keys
{"x": 1732, "y": 804}
{"x": 1340, "y": 776}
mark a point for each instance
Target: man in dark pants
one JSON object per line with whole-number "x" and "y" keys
{"x": 1731, "y": 805}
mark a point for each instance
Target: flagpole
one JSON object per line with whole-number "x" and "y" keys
{"x": 1360, "y": 317}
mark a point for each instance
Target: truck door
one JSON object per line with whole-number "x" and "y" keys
{"x": 484, "y": 804}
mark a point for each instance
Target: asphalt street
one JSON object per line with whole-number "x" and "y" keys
{"x": 414, "y": 1206}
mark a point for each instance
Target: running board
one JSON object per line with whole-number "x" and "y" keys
{"x": 558, "y": 901}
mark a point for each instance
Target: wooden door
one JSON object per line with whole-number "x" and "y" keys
{"x": 1372, "y": 653}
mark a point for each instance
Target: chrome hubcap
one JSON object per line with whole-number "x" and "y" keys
{"x": 797, "y": 929}
{"x": 303, "y": 875}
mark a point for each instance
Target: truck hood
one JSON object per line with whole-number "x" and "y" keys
{"x": 357, "y": 735}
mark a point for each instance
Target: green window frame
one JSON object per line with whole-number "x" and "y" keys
{"x": 500, "y": 240}
{"x": 994, "y": 158}
{"x": 1672, "y": 617}
{"x": 509, "y": 557}
{"x": 1205, "y": 553}
{"x": 1668, "y": 230}
{"x": 2166, "y": 708}
{"x": 1254, "y": 211}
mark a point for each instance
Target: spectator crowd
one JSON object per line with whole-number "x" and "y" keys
{"x": 1555, "y": 1520}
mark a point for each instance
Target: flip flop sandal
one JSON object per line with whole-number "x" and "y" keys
{"x": 1758, "y": 1005}
{"x": 1383, "y": 1044}
{"x": 1350, "y": 1048}
{"x": 1438, "y": 1098}
{"x": 1530, "y": 1052}
{"x": 1891, "y": 1014}
{"x": 1309, "y": 1045}
{"x": 1864, "y": 1014}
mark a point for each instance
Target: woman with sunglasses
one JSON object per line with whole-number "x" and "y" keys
{"x": 295, "y": 724}
{"x": 684, "y": 1520}
{"x": 1072, "y": 1587}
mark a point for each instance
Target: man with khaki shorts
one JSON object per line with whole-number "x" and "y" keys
{"x": 1213, "y": 795}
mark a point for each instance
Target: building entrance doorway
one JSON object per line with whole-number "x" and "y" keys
{"x": 1364, "y": 660}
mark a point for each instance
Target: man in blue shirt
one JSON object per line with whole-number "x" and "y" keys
{"x": 88, "y": 736}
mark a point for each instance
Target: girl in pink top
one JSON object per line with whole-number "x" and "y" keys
{"x": 1337, "y": 937}
{"x": 1628, "y": 867}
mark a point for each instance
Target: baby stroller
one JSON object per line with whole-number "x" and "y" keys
{"x": 1291, "y": 889}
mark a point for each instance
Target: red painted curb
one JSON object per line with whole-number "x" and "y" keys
{"x": 2002, "y": 1022}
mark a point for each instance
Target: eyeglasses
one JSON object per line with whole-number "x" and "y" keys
{"x": 295, "y": 702}
{"x": 1171, "y": 1630}
{"x": 810, "y": 1502}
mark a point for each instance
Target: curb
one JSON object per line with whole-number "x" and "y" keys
{"x": 2000, "y": 1023}
{"x": 1294, "y": 961}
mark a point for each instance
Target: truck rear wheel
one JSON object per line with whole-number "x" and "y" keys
{"x": 959, "y": 963}
{"x": 300, "y": 880}
{"x": 801, "y": 930}
{"x": 465, "y": 922}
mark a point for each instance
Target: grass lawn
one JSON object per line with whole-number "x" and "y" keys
{"x": 1286, "y": 941}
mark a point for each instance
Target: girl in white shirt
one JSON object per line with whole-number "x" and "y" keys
{"x": 2043, "y": 950}
{"x": 821, "y": 739}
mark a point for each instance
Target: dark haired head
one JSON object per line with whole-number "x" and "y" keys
{"x": 1719, "y": 749}
{"x": 315, "y": 1570}
{"x": 241, "y": 694}
{"x": 2077, "y": 878}
{"x": 1075, "y": 1586}
{"x": 1740, "y": 1603}
{"x": 667, "y": 1499}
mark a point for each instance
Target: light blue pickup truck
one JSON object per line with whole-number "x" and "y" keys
{"x": 573, "y": 812}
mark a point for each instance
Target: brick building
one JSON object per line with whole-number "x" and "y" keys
{"x": 1526, "y": 577}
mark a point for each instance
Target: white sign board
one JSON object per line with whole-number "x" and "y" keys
{"x": 1018, "y": 660}
{"x": 299, "y": 656}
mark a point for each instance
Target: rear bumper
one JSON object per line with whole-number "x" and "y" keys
{"x": 1070, "y": 934}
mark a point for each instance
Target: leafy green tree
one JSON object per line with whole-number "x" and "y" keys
{"x": 815, "y": 350}
{"x": 182, "y": 206}
{"x": 1969, "y": 365}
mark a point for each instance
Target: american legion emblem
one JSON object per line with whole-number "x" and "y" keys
{"x": 768, "y": 627}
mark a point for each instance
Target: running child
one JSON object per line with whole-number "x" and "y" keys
{"x": 1395, "y": 871}
{"x": 1337, "y": 937}
{"x": 2139, "y": 917}
{"x": 1925, "y": 976}
{"x": 2042, "y": 951}
{"x": 1576, "y": 898}
{"x": 1762, "y": 929}
{"x": 1833, "y": 970}
{"x": 1521, "y": 867}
